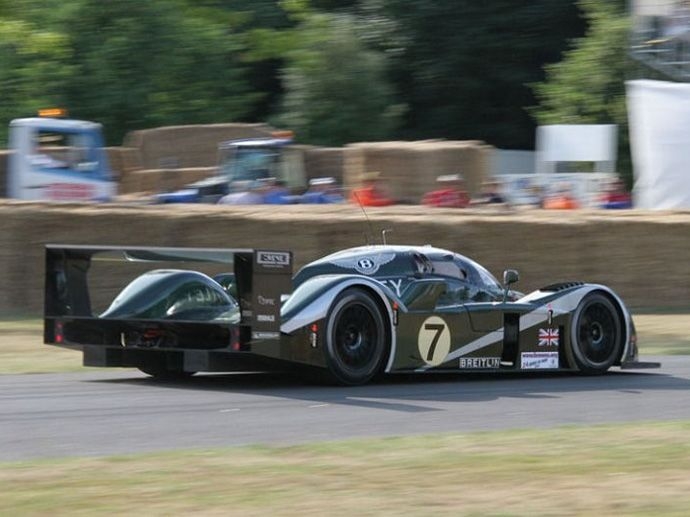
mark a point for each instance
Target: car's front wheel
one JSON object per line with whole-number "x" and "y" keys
{"x": 597, "y": 334}
{"x": 356, "y": 338}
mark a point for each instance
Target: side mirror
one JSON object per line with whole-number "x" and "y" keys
{"x": 510, "y": 276}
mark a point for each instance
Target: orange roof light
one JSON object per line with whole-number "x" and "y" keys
{"x": 52, "y": 112}
{"x": 283, "y": 134}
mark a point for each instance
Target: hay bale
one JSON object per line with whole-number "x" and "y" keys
{"x": 124, "y": 161}
{"x": 188, "y": 146}
{"x": 643, "y": 256}
{"x": 320, "y": 162}
{"x": 162, "y": 180}
{"x": 410, "y": 169}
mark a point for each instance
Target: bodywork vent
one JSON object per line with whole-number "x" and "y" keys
{"x": 561, "y": 286}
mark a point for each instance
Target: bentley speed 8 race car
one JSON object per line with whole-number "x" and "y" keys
{"x": 351, "y": 315}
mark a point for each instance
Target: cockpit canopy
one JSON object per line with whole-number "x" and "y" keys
{"x": 385, "y": 262}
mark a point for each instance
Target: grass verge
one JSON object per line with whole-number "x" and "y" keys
{"x": 22, "y": 350}
{"x": 636, "y": 469}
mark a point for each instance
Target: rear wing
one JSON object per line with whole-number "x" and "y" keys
{"x": 261, "y": 276}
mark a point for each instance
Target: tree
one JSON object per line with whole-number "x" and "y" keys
{"x": 336, "y": 88}
{"x": 464, "y": 67}
{"x": 34, "y": 70}
{"x": 145, "y": 64}
{"x": 588, "y": 85}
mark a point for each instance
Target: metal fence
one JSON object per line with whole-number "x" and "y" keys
{"x": 660, "y": 36}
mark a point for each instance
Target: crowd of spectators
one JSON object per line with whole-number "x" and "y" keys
{"x": 450, "y": 192}
{"x": 270, "y": 191}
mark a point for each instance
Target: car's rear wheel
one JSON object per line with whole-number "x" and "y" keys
{"x": 597, "y": 334}
{"x": 356, "y": 338}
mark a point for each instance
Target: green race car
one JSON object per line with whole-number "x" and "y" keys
{"x": 351, "y": 315}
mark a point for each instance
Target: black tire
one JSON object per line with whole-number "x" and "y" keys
{"x": 160, "y": 371}
{"x": 597, "y": 334}
{"x": 356, "y": 338}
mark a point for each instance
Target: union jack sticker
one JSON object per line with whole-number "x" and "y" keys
{"x": 548, "y": 337}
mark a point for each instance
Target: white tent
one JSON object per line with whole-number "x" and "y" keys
{"x": 659, "y": 114}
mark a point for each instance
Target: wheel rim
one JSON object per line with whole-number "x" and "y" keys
{"x": 355, "y": 338}
{"x": 597, "y": 333}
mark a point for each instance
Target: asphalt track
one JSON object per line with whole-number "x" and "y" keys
{"x": 120, "y": 412}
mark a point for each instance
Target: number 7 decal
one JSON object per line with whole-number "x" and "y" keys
{"x": 438, "y": 328}
{"x": 433, "y": 340}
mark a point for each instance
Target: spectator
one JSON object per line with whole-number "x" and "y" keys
{"x": 562, "y": 198}
{"x": 490, "y": 194}
{"x": 371, "y": 193}
{"x": 615, "y": 196}
{"x": 535, "y": 196}
{"x": 450, "y": 194}
{"x": 275, "y": 192}
{"x": 322, "y": 191}
{"x": 243, "y": 193}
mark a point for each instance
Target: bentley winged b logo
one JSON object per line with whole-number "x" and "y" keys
{"x": 365, "y": 265}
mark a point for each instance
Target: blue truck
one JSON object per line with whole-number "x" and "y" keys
{"x": 243, "y": 161}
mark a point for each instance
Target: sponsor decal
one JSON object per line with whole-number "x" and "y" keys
{"x": 548, "y": 337}
{"x": 273, "y": 258}
{"x": 266, "y": 301}
{"x": 366, "y": 266}
{"x": 538, "y": 360}
{"x": 394, "y": 284}
{"x": 480, "y": 362}
{"x": 71, "y": 191}
{"x": 433, "y": 340}
{"x": 265, "y": 335}
{"x": 265, "y": 318}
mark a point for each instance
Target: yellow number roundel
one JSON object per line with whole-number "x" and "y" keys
{"x": 433, "y": 340}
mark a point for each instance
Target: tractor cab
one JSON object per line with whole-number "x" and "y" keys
{"x": 244, "y": 162}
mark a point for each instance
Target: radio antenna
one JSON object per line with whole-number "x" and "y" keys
{"x": 383, "y": 234}
{"x": 369, "y": 235}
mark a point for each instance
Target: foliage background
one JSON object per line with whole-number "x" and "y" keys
{"x": 334, "y": 71}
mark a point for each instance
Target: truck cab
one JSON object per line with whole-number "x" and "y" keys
{"x": 245, "y": 161}
{"x": 56, "y": 159}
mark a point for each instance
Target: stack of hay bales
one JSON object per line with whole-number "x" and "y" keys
{"x": 188, "y": 146}
{"x": 168, "y": 158}
{"x": 123, "y": 160}
{"x": 409, "y": 169}
{"x": 322, "y": 162}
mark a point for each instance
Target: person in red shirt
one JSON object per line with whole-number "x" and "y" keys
{"x": 451, "y": 194}
{"x": 616, "y": 196}
{"x": 371, "y": 193}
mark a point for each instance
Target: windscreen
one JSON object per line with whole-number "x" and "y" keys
{"x": 245, "y": 163}
{"x": 65, "y": 151}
